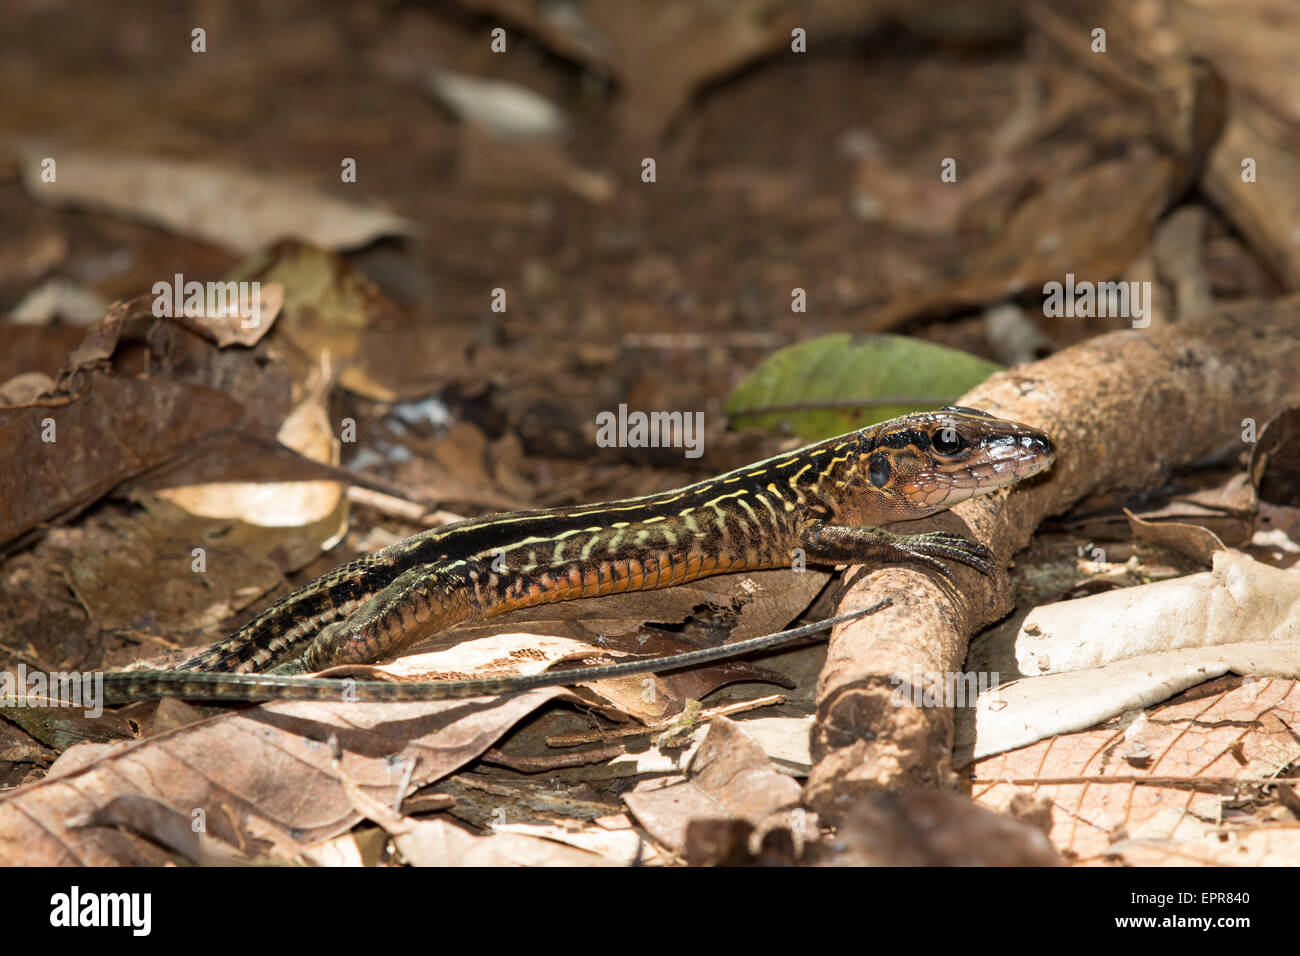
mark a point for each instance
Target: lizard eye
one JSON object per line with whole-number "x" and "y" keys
{"x": 878, "y": 470}
{"x": 946, "y": 441}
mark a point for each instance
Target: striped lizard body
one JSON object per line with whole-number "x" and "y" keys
{"x": 826, "y": 500}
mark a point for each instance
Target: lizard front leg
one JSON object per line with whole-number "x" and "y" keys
{"x": 853, "y": 544}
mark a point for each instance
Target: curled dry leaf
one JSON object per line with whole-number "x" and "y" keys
{"x": 226, "y": 206}
{"x": 729, "y": 778}
{"x": 1102, "y": 655}
{"x": 1034, "y": 249}
{"x": 317, "y": 509}
{"x": 1226, "y": 511}
{"x": 385, "y": 352}
{"x": 234, "y": 320}
{"x": 1275, "y": 459}
{"x": 1240, "y": 597}
{"x": 1190, "y": 540}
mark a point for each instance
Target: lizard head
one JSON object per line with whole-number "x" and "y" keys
{"x": 922, "y": 463}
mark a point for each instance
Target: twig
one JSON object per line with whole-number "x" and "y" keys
{"x": 595, "y": 737}
{"x": 542, "y": 764}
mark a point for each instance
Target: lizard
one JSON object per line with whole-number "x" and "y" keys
{"x": 828, "y": 499}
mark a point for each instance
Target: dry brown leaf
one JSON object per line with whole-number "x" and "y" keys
{"x": 1190, "y": 540}
{"x": 454, "y": 470}
{"x": 1189, "y": 783}
{"x": 1254, "y": 43}
{"x": 439, "y": 843}
{"x": 312, "y": 509}
{"x": 239, "y": 322}
{"x": 729, "y": 778}
{"x": 1239, "y": 598}
{"x": 165, "y": 826}
{"x": 1264, "y": 211}
{"x": 513, "y": 167}
{"x": 98, "y": 429}
{"x": 255, "y": 777}
{"x": 115, "y": 429}
{"x": 632, "y": 39}
{"x": 139, "y": 572}
{"x": 1060, "y": 230}
{"x": 1024, "y": 711}
{"x": 785, "y": 740}
{"x": 230, "y": 207}
{"x": 1227, "y": 510}
{"x": 1275, "y": 460}
{"x": 331, "y": 308}
{"x": 931, "y": 828}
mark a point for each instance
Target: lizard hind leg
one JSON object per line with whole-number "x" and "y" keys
{"x": 417, "y": 604}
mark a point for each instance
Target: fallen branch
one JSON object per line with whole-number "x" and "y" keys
{"x": 1125, "y": 409}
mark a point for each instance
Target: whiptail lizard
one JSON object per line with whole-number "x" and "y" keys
{"x": 827, "y": 499}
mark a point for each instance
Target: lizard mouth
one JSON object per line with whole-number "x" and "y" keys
{"x": 991, "y": 460}
{"x": 1010, "y": 455}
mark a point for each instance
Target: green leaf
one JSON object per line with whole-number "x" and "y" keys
{"x": 839, "y": 383}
